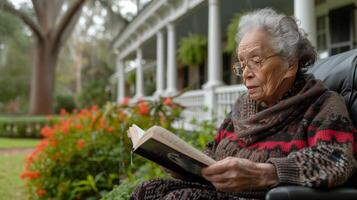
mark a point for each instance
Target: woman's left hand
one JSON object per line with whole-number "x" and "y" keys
{"x": 236, "y": 174}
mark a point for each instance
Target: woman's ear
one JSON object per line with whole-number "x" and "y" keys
{"x": 292, "y": 71}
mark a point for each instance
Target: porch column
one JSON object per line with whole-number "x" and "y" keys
{"x": 139, "y": 75}
{"x": 160, "y": 60}
{"x": 214, "y": 57}
{"x": 304, "y": 11}
{"x": 214, "y": 46}
{"x": 171, "y": 61}
{"x": 121, "y": 79}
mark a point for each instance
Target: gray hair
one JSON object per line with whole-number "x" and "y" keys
{"x": 287, "y": 39}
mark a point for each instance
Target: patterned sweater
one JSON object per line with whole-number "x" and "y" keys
{"x": 313, "y": 145}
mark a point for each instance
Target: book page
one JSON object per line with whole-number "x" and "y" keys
{"x": 178, "y": 144}
{"x": 135, "y": 133}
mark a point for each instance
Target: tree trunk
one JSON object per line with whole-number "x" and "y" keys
{"x": 49, "y": 37}
{"x": 43, "y": 73}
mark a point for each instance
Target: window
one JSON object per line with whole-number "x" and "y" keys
{"x": 341, "y": 23}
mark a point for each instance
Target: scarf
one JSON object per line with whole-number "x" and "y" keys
{"x": 254, "y": 124}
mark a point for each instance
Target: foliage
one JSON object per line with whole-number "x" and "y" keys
{"x": 15, "y": 68}
{"x": 64, "y": 102}
{"x": 93, "y": 92}
{"x": 193, "y": 50}
{"x": 23, "y": 126}
{"x": 149, "y": 87}
{"x": 85, "y": 154}
{"x": 96, "y": 75}
{"x": 204, "y": 132}
{"x": 231, "y": 33}
{"x": 123, "y": 190}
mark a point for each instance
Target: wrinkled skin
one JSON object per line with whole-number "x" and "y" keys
{"x": 267, "y": 85}
{"x": 276, "y": 75}
{"x": 236, "y": 174}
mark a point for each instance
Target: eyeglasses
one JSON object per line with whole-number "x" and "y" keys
{"x": 255, "y": 63}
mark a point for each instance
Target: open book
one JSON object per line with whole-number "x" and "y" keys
{"x": 166, "y": 149}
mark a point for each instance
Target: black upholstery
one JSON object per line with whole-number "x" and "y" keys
{"x": 305, "y": 193}
{"x": 339, "y": 74}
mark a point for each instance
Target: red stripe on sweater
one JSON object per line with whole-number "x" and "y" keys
{"x": 324, "y": 135}
{"x": 327, "y": 135}
{"x": 284, "y": 146}
{"x": 225, "y": 134}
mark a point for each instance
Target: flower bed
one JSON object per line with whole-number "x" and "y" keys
{"x": 85, "y": 154}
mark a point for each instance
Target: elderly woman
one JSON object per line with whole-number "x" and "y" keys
{"x": 287, "y": 130}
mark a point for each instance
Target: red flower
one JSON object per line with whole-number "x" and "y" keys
{"x": 94, "y": 108}
{"x": 42, "y": 145}
{"x": 66, "y": 125}
{"x": 143, "y": 108}
{"x": 46, "y": 132}
{"x": 84, "y": 111}
{"x": 168, "y": 101}
{"x": 125, "y": 101}
{"x": 79, "y": 126}
{"x": 30, "y": 175}
{"x": 110, "y": 129}
{"x": 80, "y": 144}
{"x": 102, "y": 123}
{"x": 41, "y": 192}
{"x": 53, "y": 143}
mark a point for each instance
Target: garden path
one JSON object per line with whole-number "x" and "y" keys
{"x": 11, "y": 151}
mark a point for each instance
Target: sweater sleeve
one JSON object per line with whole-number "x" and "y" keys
{"x": 328, "y": 160}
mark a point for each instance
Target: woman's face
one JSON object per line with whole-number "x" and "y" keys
{"x": 266, "y": 74}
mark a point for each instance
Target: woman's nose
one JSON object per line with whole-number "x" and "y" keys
{"x": 248, "y": 73}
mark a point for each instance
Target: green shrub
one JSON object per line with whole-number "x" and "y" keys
{"x": 65, "y": 102}
{"x": 85, "y": 154}
{"x": 231, "y": 33}
{"x": 23, "y": 126}
{"x": 124, "y": 190}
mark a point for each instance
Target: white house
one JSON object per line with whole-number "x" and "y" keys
{"x": 147, "y": 47}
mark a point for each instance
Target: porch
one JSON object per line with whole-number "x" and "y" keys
{"x": 147, "y": 48}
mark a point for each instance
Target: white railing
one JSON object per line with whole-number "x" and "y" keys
{"x": 195, "y": 104}
{"x": 225, "y": 97}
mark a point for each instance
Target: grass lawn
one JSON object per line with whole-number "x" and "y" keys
{"x": 11, "y": 186}
{"x": 6, "y": 143}
{"x": 11, "y": 165}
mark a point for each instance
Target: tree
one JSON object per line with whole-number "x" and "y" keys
{"x": 49, "y": 34}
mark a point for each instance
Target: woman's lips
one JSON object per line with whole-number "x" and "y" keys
{"x": 251, "y": 89}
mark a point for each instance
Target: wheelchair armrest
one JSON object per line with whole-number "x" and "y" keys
{"x": 305, "y": 193}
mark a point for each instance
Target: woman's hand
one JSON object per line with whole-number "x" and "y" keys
{"x": 236, "y": 174}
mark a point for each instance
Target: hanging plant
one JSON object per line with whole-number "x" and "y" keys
{"x": 131, "y": 78}
{"x": 193, "y": 50}
{"x": 231, "y": 33}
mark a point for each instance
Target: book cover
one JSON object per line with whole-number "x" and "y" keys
{"x": 172, "y": 159}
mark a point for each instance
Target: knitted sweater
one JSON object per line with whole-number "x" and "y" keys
{"x": 314, "y": 147}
